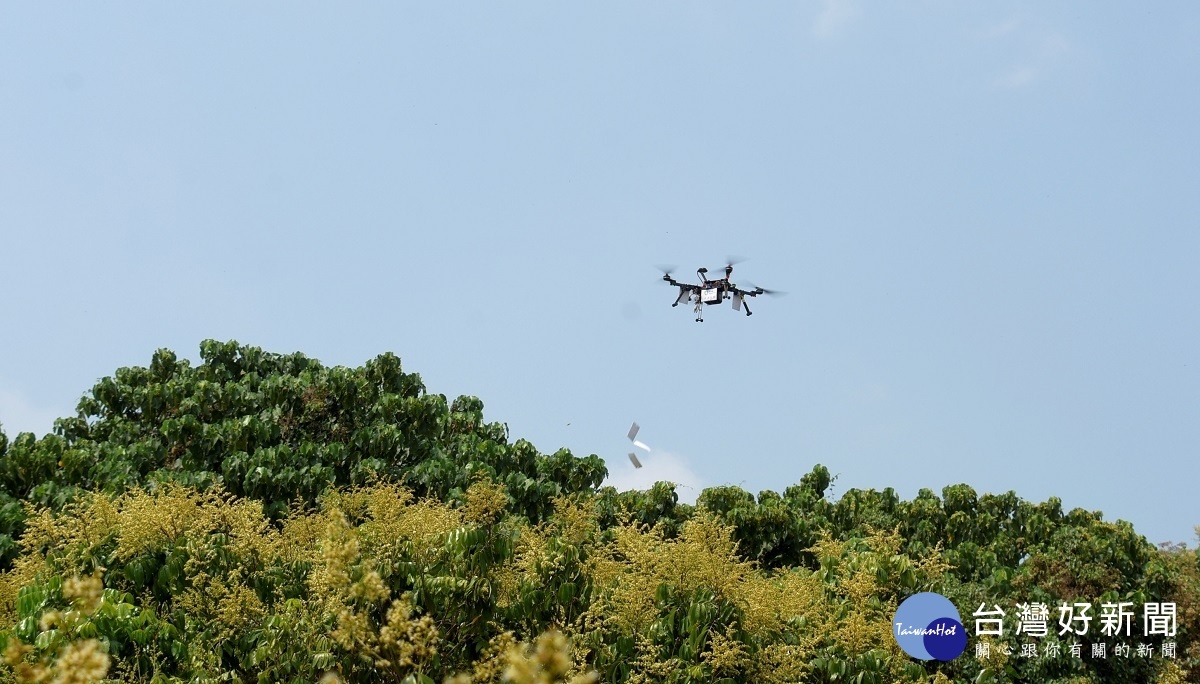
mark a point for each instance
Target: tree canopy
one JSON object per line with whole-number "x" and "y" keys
{"x": 261, "y": 517}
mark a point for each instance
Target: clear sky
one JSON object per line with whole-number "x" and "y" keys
{"x": 986, "y": 215}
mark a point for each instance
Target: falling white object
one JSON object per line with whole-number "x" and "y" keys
{"x": 633, "y": 438}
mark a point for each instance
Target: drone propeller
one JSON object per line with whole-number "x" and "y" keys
{"x": 666, "y": 270}
{"x": 730, "y": 262}
{"x": 763, "y": 290}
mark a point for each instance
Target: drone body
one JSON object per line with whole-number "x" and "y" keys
{"x": 713, "y": 292}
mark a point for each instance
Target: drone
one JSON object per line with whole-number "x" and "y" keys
{"x": 714, "y": 291}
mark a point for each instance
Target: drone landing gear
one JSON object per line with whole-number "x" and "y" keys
{"x": 699, "y": 310}
{"x": 739, "y": 301}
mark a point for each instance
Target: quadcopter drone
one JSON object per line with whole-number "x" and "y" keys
{"x": 713, "y": 291}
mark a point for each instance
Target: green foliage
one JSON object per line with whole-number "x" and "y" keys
{"x": 261, "y": 517}
{"x": 277, "y": 428}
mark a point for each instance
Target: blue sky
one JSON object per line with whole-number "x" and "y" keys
{"x": 985, "y": 214}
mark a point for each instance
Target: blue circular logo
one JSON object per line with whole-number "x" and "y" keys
{"x": 927, "y": 627}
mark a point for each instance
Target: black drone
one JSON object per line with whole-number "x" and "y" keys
{"x": 713, "y": 291}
